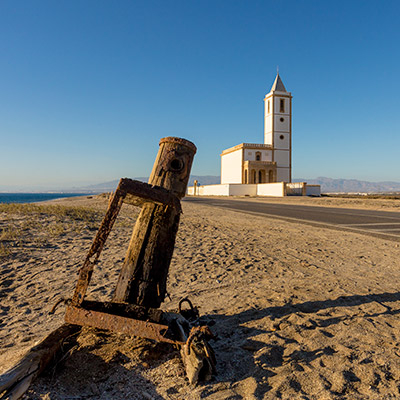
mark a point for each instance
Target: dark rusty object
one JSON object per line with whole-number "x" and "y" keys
{"x": 116, "y": 323}
{"x": 185, "y": 300}
{"x": 192, "y": 313}
{"x": 198, "y": 356}
{"x": 125, "y": 310}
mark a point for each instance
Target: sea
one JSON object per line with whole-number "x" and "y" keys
{"x": 35, "y": 197}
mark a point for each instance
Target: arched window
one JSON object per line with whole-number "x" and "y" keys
{"x": 282, "y": 106}
{"x": 245, "y": 176}
{"x": 258, "y": 156}
{"x": 260, "y": 180}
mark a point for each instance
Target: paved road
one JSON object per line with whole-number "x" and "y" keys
{"x": 384, "y": 224}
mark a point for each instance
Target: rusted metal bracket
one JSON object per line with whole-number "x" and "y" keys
{"x": 116, "y": 323}
{"x": 105, "y": 315}
{"x": 124, "y": 318}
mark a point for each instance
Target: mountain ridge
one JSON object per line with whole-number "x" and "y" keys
{"x": 328, "y": 185}
{"x": 341, "y": 185}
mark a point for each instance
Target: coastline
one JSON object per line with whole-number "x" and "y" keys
{"x": 36, "y": 197}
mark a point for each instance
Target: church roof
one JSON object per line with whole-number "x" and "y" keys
{"x": 278, "y": 85}
{"x": 253, "y": 146}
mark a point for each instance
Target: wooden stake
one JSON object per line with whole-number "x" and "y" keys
{"x": 15, "y": 382}
{"x": 143, "y": 277}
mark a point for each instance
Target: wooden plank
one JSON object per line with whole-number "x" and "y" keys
{"x": 144, "y": 274}
{"x": 15, "y": 382}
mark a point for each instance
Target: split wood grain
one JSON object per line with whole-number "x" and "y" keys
{"x": 143, "y": 277}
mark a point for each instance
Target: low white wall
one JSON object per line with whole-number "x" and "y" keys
{"x": 313, "y": 190}
{"x": 213, "y": 190}
{"x": 229, "y": 189}
{"x": 277, "y": 189}
{"x": 271, "y": 189}
{"x": 243, "y": 190}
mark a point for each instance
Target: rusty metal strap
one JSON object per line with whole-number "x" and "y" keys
{"x": 115, "y": 323}
{"x": 137, "y": 193}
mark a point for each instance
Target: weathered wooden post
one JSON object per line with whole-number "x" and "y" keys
{"x": 143, "y": 277}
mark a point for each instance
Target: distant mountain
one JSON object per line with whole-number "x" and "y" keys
{"x": 205, "y": 179}
{"x": 112, "y": 185}
{"x": 101, "y": 187}
{"x": 329, "y": 185}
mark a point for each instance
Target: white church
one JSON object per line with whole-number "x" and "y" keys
{"x": 262, "y": 169}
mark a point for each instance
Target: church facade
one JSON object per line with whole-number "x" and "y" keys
{"x": 262, "y": 169}
{"x": 251, "y": 163}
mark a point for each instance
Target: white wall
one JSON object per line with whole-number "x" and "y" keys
{"x": 268, "y": 126}
{"x": 250, "y": 155}
{"x": 282, "y": 126}
{"x": 278, "y": 189}
{"x": 224, "y": 190}
{"x": 271, "y": 189}
{"x": 242, "y": 190}
{"x": 268, "y": 138}
{"x": 282, "y": 143}
{"x": 213, "y": 190}
{"x": 277, "y": 104}
{"x": 267, "y": 156}
{"x": 231, "y": 167}
{"x": 266, "y": 106}
{"x": 282, "y": 158}
{"x": 283, "y": 174}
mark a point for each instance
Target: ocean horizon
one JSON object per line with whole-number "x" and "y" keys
{"x": 35, "y": 197}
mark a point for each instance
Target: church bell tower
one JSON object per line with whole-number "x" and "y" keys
{"x": 278, "y": 128}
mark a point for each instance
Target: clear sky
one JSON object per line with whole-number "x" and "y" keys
{"x": 87, "y": 88}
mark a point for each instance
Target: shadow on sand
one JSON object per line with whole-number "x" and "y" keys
{"x": 270, "y": 355}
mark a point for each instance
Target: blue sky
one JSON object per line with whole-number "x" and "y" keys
{"x": 87, "y": 88}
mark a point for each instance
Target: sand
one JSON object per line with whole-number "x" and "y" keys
{"x": 301, "y": 312}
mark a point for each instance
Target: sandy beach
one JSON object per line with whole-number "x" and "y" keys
{"x": 301, "y": 312}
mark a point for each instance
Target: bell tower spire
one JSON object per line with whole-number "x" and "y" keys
{"x": 278, "y": 128}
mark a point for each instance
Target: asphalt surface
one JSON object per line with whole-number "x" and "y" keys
{"x": 383, "y": 224}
